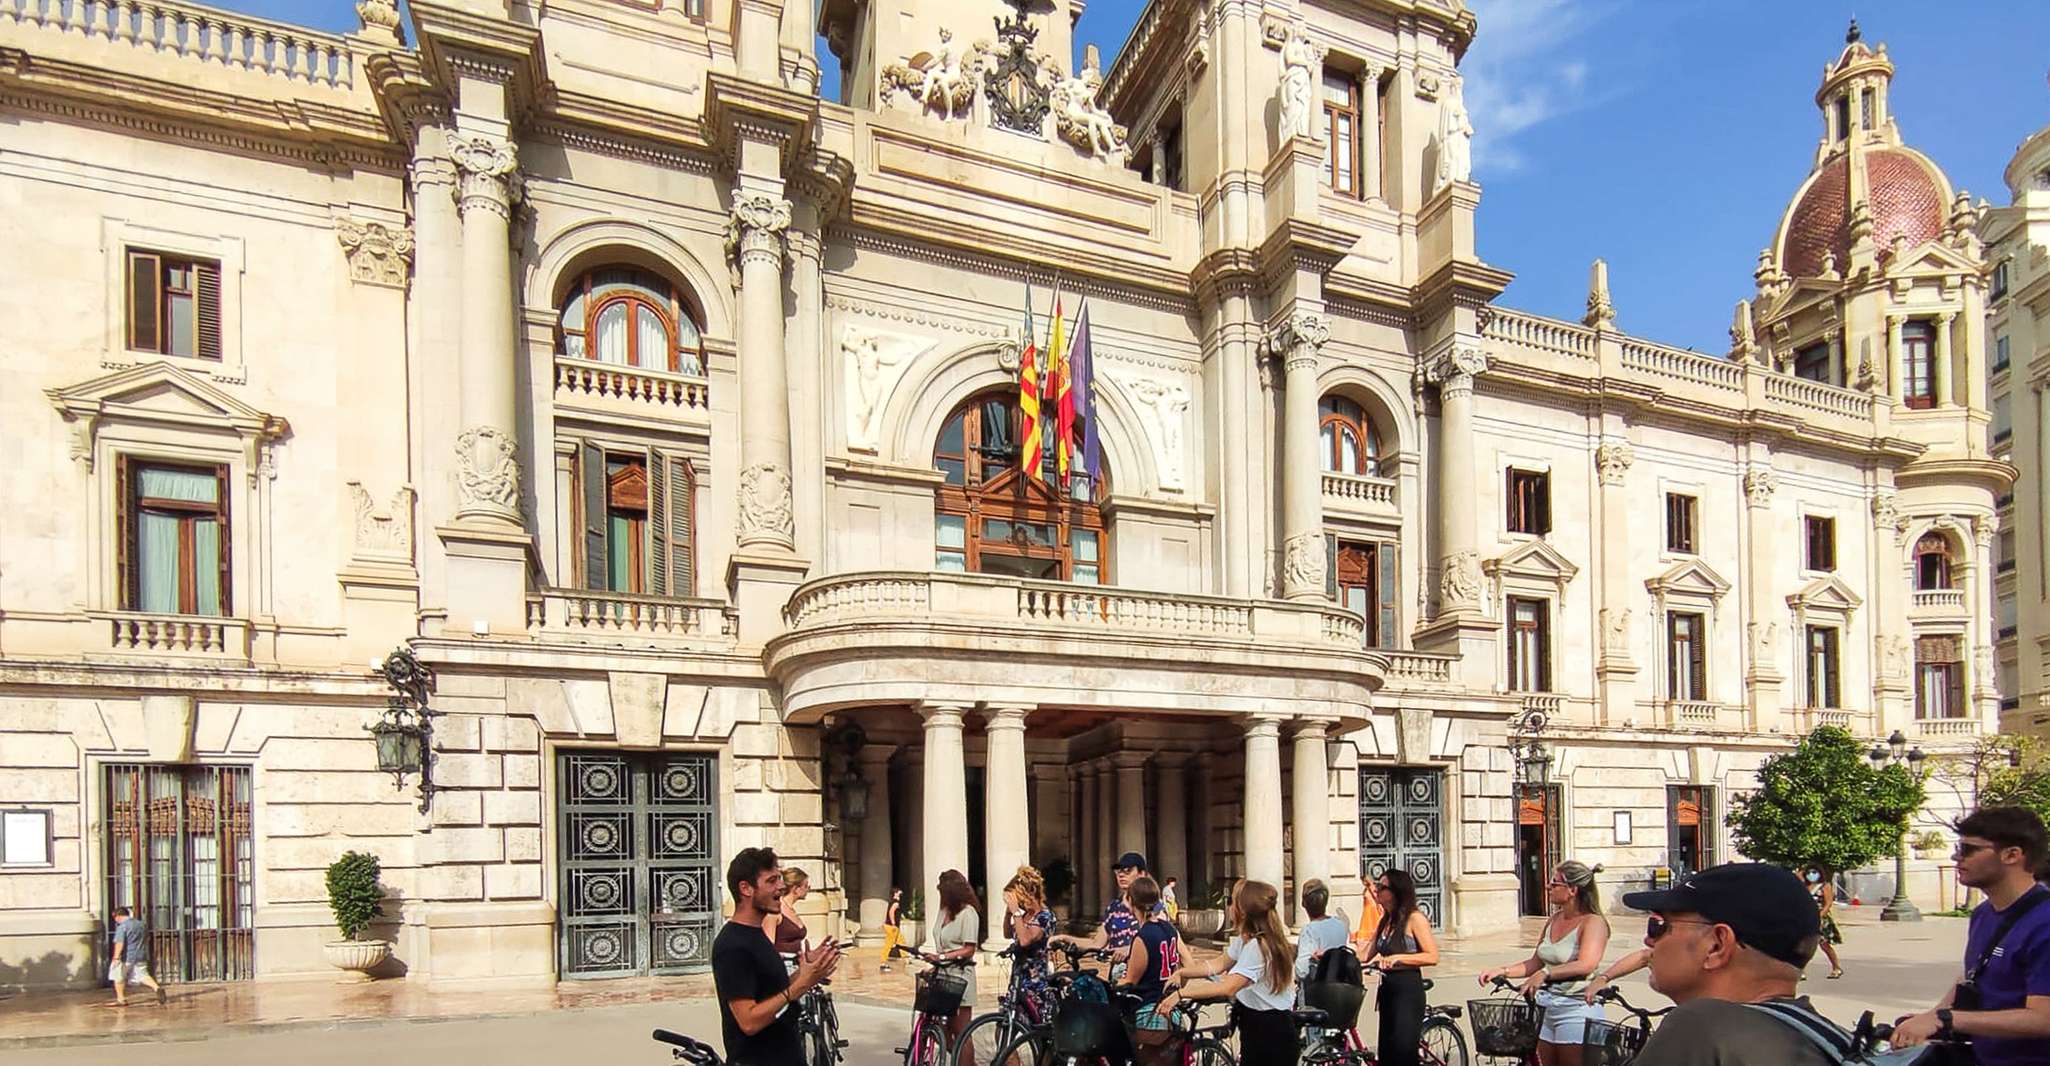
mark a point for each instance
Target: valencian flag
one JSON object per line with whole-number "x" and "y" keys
{"x": 1081, "y": 364}
{"x": 1057, "y": 387}
{"x": 1028, "y": 395}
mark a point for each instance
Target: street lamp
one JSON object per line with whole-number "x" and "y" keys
{"x": 1894, "y": 753}
{"x": 404, "y": 732}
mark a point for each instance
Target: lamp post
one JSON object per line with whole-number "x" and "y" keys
{"x": 406, "y": 730}
{"x": 1896, "y": 752}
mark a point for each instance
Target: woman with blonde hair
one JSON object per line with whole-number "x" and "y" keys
{"x": 1031, "y": 926}
{"x": 1569, "y": 950}
{"x": 783, "y": 927}
{"x": 1260, "y": 983}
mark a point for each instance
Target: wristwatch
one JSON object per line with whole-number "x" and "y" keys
{"x": 1944, "y": 1029}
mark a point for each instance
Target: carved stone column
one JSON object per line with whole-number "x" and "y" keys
{"x": 1312, "y": 811}
{"x": 1088, "y": 891}
{"x": 487, "y": 452}
{"x": 1895, "y": 367}
{"x": 1296, "y": 343}
{"x": 946, "y": 797}
{"x": 1370, "y": 130}
{"x": 1615, "y": 669}
{"x": 1767, "y": 620}
{"x": 1459, "y": 565}
{"x": 1892, "y": 656}
{"x": 1131, "y": 803}
{"x": 1006, "y": 836}
{"x": 878, "y": 860}
{"x": 764, "y": 506}
{"x": 1263, "y": 830}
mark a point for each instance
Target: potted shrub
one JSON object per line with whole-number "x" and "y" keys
{"x": 354, "y": 894}
{"x": 1930, "y": 844}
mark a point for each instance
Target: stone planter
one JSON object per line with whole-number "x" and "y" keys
{"x": 1201, "y": 923}
{"x": 358, "y": 957}
{"x": 910, "y": 928}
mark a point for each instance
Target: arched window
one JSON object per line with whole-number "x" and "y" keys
{"x": 989, "y": 518}
{"x": 630, "y": 317}
{"x": 1932, "y": 562}
{"x": 1351, "y": 444}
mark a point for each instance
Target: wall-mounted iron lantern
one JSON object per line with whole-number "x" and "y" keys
{"x": 405, "y": 733}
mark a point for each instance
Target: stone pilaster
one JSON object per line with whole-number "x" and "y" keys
{"x": 1088, "y": 891}
{"x": 1131, "y": 803}
{"x": 1893, "y": 656}
{"x": 1296, "y": 343}
{"x": 1615, "y": 669}
{"x": 765, "y": 568}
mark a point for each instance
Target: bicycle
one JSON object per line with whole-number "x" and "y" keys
{"x": 818, "y": 1021}
{"x": 1506, "y": 1028}
{"x": 939, "y": 996}
{"x": 1610, "y": 1043}
{"x": 1088, "y": 1036}
{"x": 1439, "y": 1043}
{"x": 688, "y": 1051}
{"x": 1016, "y": 1013}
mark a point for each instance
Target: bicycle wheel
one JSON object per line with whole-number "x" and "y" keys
{"x": 984, "y": 1041}
{"x": 929, "y": 1047}
{"x": 1207, "y": 1052}
{"x": 829, "y": 1033}
{"x": 1442, "y": 1044}
{"x": 817, "y": 1050}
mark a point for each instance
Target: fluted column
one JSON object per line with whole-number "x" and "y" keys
{"x": 1370, "y": 130}
{"x": 1171, "y": 781}
{"x": 1006, "y": 833}
{"x": 1940, "y": 371}
{"x": 878, "y": 860}
{"x": 1263, "y": 799}
{"x": 1296, "y": 343}
{"x": 1131, "y": 803}
{"x": 765, "y": 502}
{"x": 1312, "y": 813}
{"x": 946, "y": 796}
{"x": 1459, "y": 567}
{"x": 1087, "y": 892}
{"x": 487, "y": 452}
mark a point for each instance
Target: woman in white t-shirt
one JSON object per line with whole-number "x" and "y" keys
{"x": 1260, "y": 983}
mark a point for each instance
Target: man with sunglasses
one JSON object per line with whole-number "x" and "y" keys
{"x": 1728, "y": 945}
{"x": 2001, "y": 1003}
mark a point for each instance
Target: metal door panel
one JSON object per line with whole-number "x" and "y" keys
{"x": 638, "y": 844}
{"x": 1402, "y": 827}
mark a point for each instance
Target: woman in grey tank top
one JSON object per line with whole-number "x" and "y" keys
{"x": 1568, "y": 951}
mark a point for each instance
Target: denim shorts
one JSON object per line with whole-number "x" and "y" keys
{"x": 1566, "y": 1017}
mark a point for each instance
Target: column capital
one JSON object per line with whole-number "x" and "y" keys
{"x": 1265, "y": 725}
{"x": 942, "y": 715}
{"x": 1172, "y": 760}
{"x": 1759, "y": 485}
{"x": 1130, "y": 760}
{"x": 1008, "y": 716}
{"x": 1297, "y": 340}
{"x": 756, "y": 227}
{"x": 1454, "y": 367}
{"x": 1613, "y": 459}
{"x": 489, "y": 170}
{"x": 1313, "y": 728}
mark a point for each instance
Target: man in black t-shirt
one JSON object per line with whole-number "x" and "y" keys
{"x": 757, "y": 997}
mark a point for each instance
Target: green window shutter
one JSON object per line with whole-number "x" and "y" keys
{"x": 1387, "y": 582}
{"x": 658, "y": 525}
{"x": 591, "y": 479}
{"x": 209, "y": 301}
{"x": 129, "y": 561}
{"x": 145, "y": 302}
{"x": 1544, "y": 503}
{"x": 1331, "y": 567}
{"x": 681, "y": 525}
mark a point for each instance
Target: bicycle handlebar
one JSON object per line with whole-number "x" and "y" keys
{"x": 695, "y": 1052}
{"x": 1614, "y": 995}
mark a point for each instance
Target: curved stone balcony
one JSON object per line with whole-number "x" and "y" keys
{"x": 898, "y": 637}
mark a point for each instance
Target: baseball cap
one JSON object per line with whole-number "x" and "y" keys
{"x": 1764, "y": 904}
{"x": 1130, "y": 860}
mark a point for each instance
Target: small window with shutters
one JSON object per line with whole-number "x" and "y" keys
{"x": 173, "y": 305}
{"x": 637, "y": 514}
{"x": 1687, "y": 657}
{"x": 1364, "y": 577}
{"x": 1529, "y": 495}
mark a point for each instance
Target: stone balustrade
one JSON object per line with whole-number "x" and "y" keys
{"x": 1548, "y": 704}
{"x": 1359, "y": 491}
{"x": 1658, "y": 360}
{"x": 177, "y": 634}
{"x": 1940, "y": 601}
{"x": 1818, "y": 396}
{"x": 591, "y": 381}
{"x": 864, "y": 596}
{"x": 1418, "y": 668}
{"x": 1948, "y": 728}
{"x": 1692, "y": 714}
{"x": 617, "y": 616}
{"x": 196, "y": 34}
{"x": 1517, "y": 329}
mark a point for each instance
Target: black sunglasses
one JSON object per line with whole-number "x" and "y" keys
{"x": 1659, "y": 925}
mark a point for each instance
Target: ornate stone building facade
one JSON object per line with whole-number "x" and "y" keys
{"x": 2017, "y": 239}
{"x": 667, "y": 412}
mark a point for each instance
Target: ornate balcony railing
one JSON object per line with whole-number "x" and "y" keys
{"x": 1816, "y": 395}
{"x": 1948, "y": 727}
{"x": 1940, "y": 600}
{"x": 624, "y": 616}
{"x": 1359, "y": 490}
{"x": 177, "y": 634}
{"x": 197, "y": 34}
{"x": 1419, "y": 668}
{"x": 1517, "y": 329}
{"x": 1661, "y": 361}
{"x": 1686, "y": 714}
{"x": 591, "y": 380}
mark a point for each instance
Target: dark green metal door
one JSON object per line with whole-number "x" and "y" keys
{"x": 639, "y": 844}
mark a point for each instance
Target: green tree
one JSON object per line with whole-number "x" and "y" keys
{"x": 353, "y": 892}
{"x": 1825, "y": 803}
{"x": 2024, "y": 785}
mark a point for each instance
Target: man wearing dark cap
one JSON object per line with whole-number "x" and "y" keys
{"x": 1728, "y": 945}
{"x": 1120, "y": 925}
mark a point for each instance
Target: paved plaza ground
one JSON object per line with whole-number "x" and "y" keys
{"x": 1890, "y": 969}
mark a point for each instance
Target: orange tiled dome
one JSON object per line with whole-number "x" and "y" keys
{"x": 1907, "y": 196}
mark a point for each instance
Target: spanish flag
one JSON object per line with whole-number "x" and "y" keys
{"x": 1064, "y": 402}
{"x": 1028, "y": 395}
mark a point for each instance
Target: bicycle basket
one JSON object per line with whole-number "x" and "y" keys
{"x": 1612, "y": 1043}
{"x": 940, "y": 993}
{"x": 1339, "y": 1001}
{"x": 1506, "y": 1028}
{"x": 1088, "y": 1029}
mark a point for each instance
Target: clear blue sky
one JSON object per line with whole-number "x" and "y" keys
{"x": 1667, "y": 137}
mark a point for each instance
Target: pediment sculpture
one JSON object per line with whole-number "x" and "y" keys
{"x": 945, "y": 79}
{"x": 1085, "y": 123}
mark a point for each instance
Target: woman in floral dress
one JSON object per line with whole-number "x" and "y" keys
{"x": 1031, "y": 926}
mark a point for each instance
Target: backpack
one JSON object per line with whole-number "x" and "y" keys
{"x": 1337, "y": 965}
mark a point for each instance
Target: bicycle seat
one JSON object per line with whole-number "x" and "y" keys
{"x": 1427, "y": 984}
{"x": 1450, "y": 1012}
{"x": 1311, "y": 1018}
{"x": 695, "y": 1052}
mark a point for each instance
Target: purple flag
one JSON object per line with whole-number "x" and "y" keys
{"x": 1082, "y": 364}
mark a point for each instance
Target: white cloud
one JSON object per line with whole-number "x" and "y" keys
{"x": 1522, "y": 71}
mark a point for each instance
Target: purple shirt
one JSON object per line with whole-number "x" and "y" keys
{"x": 2020, "y": 968}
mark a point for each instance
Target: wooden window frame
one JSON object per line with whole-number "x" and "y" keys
{"x": 679, "y": 309}
{"x": 1937, "y": 545}
{"x": 148, "y": 295}
{"x": 1341, "y": 422}
{"x": 996, "y": 490}
{"x": 1683, "y": 523}
{"x": 1824, "y": 651}
{"x": 128, "y": 475}
{"x": 1696, "y": 652}
{"x": 1918, "y": 364}
{"x": 1818, "y": 537}
{"x": 1374, "y": 568}
{"x": 1817, "y": 356}
{"x": 663, "y": 561}
{"x": 1541, "y": 625}
{"x": 1529, "y": 501}
{"x": 1337, "y": 116}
